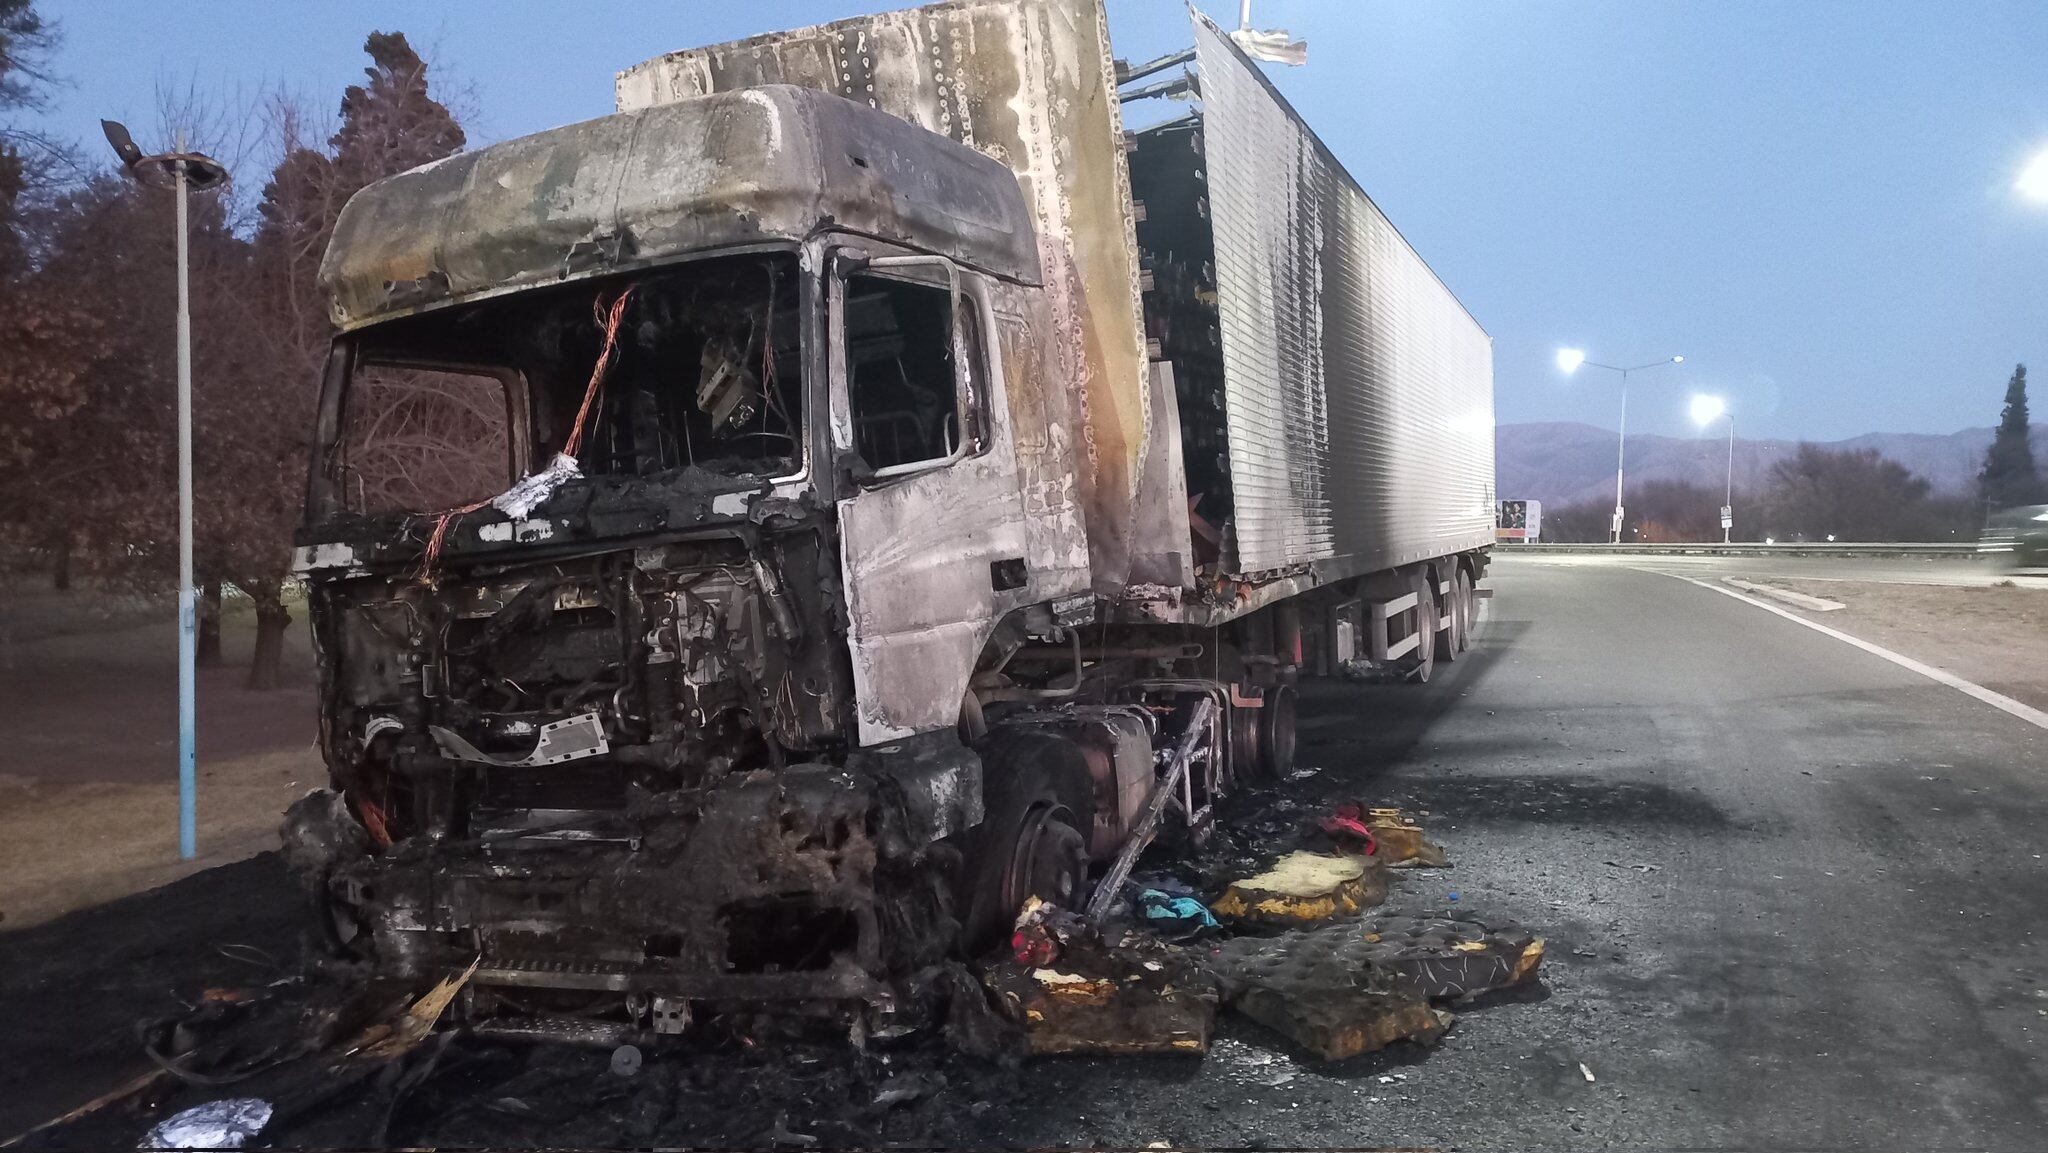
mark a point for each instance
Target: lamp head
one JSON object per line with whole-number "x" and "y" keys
{"x": 2033, "y": 179}
{"x": 124, "y": 144}
{"x": 1569, "y": 360}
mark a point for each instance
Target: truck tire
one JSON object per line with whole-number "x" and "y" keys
{"x": 1276, "y": 733}
{"x": 1446, "y": 634}
{"x": 1422, "y": 663}
{"x": 1450, "y": 640}
{"x": 1035, "y": 791}
{"x": 1468, "y": 608}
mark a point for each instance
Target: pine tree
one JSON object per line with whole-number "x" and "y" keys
{"x": 2009, "y": 477}
{"x": 393, "y": 123}
{"x": 388, "y": 124}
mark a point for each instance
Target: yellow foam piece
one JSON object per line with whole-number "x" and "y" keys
{"x": 1301, "y": 886}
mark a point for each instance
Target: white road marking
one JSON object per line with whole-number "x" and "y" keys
{"x": 2000, "y": 701}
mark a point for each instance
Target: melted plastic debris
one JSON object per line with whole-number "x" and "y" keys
{"x": 522, "y": 498}
{"x": 222, "y": 1124}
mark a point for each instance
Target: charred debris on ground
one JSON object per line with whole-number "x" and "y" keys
{"x": 1273, "y": 915}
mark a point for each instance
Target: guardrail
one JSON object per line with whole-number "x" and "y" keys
{"x": 1927, "y": 551}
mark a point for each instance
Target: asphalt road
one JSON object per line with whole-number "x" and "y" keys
{"x": 1810, "y": 882}
{"x": 1794, "y": 898}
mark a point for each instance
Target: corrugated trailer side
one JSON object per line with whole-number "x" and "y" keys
{"x": 1358, "y": 391}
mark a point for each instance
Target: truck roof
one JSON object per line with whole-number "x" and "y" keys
{"x": 760, "y": 165}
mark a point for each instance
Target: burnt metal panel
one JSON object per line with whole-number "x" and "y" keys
{"x": 1162, "y": 552}
{"x": 766, "y": 165}
{"x": 1031, "y": 84}
{"x": 916, "y": 553}
{"x": 1358, "y": 391}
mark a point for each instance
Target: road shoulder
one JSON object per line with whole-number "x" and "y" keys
{"x": 1990, "y": 639}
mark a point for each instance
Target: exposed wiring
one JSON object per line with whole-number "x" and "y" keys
{"x": 609, "y": 317}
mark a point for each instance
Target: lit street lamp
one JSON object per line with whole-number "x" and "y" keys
{"x": 182, "y": 172}
{"x": 1568, "y": 361}
{"x": 1705, "y": 411}
{"x": 2033, "y": 179}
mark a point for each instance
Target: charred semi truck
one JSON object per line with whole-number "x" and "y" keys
{"x": 759, "y": 538}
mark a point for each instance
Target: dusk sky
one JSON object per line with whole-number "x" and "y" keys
{"x": 1812, "y": 202}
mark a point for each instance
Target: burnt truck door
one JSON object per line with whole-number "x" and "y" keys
{"x": 934, "y": 544}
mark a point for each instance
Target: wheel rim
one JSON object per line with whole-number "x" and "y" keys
{"x": 1447, "y": 637}
{"x": 1464, "y": 610}
{"x": 1425, "y": 640}
{"x": 1049, "y": 860}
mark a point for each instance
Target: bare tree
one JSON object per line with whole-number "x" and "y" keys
{"x": 1859, "y": 495}
{"x": 388, "y": 124}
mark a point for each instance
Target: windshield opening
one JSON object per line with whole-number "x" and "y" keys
{"x": 706, "y": 375}
{"x": 419, "y": 439}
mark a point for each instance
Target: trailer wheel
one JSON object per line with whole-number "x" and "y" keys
{"x": 1467, "y": 610}
{"x": 1423, "y": 663}
{"x": 1276, "y": 733}
{"x": 1450, "y": 640}
{"x": 1029, "y": 843}
{"x": 1247, "y": 745}
{"x": 1446, "y": 635}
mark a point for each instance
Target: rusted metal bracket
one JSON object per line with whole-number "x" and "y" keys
{"x": 1185, "y": 82}
{"x": 1125, "y": 73}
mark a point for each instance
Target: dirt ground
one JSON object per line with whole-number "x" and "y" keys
{"x": 1996, "y": 636}
{"x": 88, "y": 787}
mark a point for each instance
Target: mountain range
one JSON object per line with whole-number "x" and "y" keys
{"x": 1561, "y": 463}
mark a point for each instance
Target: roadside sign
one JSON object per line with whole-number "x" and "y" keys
{"x": 1518, "y": 520}
{"x": 1727, "y": 517}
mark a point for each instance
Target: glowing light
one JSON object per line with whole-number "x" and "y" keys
{"x": 2033, "y": 179}
{"x": 1707, "y": 409}
{"x": 1569, "y": 359}
{"x": 1678, "y": 360}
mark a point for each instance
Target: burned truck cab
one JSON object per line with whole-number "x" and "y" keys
{"x": 673, "y": 472}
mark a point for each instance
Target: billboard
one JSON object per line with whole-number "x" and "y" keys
{"x": 1518, "y": 521}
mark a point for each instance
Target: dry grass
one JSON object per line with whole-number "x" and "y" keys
{"x": 66, "y": 846}
{"x": 88, "y": 787}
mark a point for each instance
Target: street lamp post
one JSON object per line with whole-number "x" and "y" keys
{"x": 182, "y": 172}
{"x": 1569, "y": 359}
{"x": 1705, "y": 411}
